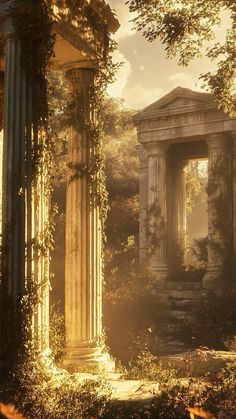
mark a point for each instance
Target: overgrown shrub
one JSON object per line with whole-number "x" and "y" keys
{"x": 148, "y": 366}
{"x": 199, "y": 252}
{"x": 57, "y": 336}
{"x": 213, "y": 321}
{"x": 172, "y": 402}
{"x": 133, "y": 314}
{"x": 45, "y": 392}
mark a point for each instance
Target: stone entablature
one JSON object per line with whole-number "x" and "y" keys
{"x": 185, "y": 125}
{"x": 182, "y": 114}
{"x": 80, "y": 45}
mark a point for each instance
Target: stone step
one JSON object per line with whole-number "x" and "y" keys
{"x": 177, "y": 314}
{"x": 183, "y": 304}
{"x": 183, "y": 285}
{"x": 178, "y": 293}
{"x": 171, "y": 346}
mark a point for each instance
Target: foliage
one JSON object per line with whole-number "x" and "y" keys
{"x": 121, "y": 173}
{"x": 220, "y": 208}
{"x": 184, "y": 27}
{"x": 51, "y": 113}
{"x": 213, "y": 322}
{"x": 178, "y": 398}
{"x": 57, "y": 338}
{"x": 148, "y": 366}
{"x": 59, "y": 118}
{"x": 196, "y": 182}
{"x": 133, "y": 315}
{"x": 10, "y": 412}
{"x": 200, "y": 252}
{"x": 43, "y": 391}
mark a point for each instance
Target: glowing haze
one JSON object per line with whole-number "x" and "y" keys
{"x": 146, "y": 74}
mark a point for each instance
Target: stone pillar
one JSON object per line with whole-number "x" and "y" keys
{"x": 143, "y": 204}
{"x": 1, "y": 151}
{"x": 1, "y": 98}
{"x": 157, "y": 209}
{"x": 219, "y": 207}
{"x": 234, "y": 189}
{"x": 177, "y": 214}
{"x": 16, "y": 91}
{"x": 24, "y": 215}
{"x": 83, "y": 265}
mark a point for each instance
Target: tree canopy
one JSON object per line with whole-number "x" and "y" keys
{"x": 184, "y": 26}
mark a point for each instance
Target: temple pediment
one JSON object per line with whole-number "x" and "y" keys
{"x": 177, "y": 100}
{"x": 180, "y": 101}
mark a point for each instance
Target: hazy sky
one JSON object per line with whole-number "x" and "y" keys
{"x": 146, "y": 74}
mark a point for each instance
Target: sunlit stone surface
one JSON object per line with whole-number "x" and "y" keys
{"x": 186, "y": 125}
{"x": 25, "y": 205}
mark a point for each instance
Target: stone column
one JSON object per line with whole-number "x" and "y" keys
{"x": 1, "y": 151}
{"x": 16, "y": 93}
{"x": 83, "y": 265}
{"x": 219, "y": 207}
{"x": 234, "y": 189}
{"x": 177, "y": 214}
{"x": 143, "y": 203}
{"x": 157, "y": 209}
{"x": 24, "y": 215}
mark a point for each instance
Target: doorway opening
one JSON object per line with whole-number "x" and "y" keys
{"x": 196, "y": 179}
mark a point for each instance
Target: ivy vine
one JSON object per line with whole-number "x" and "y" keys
{"x": 33, "y": 21}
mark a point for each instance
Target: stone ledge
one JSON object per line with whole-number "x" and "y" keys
{"x": 199, "y": 362}
{"x": 182, "y": 285}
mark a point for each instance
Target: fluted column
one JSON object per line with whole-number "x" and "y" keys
{"x": 83, "y": 267}
{"x": 177, "y": 214}
{"x": 1, "y": 151}
{"x": 219, "y": 207}
{"x": 157, "y": 209}
{"x": 24, "y": 213}
{"x": 143, "y": 203}
{"x": 16, "y": 93}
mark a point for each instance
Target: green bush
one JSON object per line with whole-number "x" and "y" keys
{"x": 42, "y": 392}
{"x": 133, "y": 314}
{"x": 213, "y": 321}
{"x": 57, "y": 335}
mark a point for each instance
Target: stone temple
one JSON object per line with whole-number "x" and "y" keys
{"x": 80, "y": 43}
{"x": 185, "y": 125}
{"x": 180, "y": 126}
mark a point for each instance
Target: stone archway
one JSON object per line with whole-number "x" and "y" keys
{"x": 185, "y": 124}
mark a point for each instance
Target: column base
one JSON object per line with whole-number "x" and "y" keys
{"x": 211, "y": 276}
{"x": 161, "y": 274}
{"x": 83, "y": 357}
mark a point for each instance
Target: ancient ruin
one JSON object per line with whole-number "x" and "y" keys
{"x": 80, "y": 43}
{"x": 180, "y": 126}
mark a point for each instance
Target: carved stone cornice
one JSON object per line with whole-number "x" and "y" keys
{"x": 182, "y": 119}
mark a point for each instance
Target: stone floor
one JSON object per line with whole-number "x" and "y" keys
{"x": 189, "y": 364}
{"x": 199, "y": 362}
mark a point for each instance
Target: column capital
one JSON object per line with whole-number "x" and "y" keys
{"x": 233, "y": 136}
{"x": 142, "y": 153}
{"x": 158, "y": 148}
{"x": 217, "y": 140}
{"x": 80, "y": 76}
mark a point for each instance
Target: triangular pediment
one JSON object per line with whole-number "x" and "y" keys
{"x": 179, "y": 102}
{"x": 179, "y": 98}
